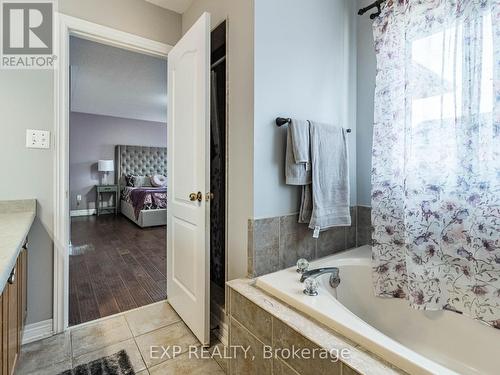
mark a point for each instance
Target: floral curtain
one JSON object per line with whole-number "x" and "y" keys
{"x": 436, "y": 156}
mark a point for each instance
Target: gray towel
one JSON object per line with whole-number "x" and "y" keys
{"x": 298, "y": 160}
{"x": 329, "y": 195}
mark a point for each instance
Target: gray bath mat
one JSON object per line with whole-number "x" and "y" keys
{"x": 116, "y": 364}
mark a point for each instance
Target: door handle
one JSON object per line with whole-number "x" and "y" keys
{"x": 196, "y": 197}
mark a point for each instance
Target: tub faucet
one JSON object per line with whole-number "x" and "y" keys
{"x": 333, "y": 271}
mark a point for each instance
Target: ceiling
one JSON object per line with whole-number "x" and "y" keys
{"x": 115, "y": 82}
{"x": 179, "y": 6}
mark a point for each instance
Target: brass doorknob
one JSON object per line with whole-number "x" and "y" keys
{"x": 196, "y": 197}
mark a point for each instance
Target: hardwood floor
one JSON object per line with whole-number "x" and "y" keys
{"x": 115, "y": 266}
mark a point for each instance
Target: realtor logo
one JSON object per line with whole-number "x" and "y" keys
{"x": 27, "y": 34}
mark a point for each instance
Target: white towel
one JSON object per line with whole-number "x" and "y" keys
{"x": 330, "y": 178}
{"x": 298, "y": 160}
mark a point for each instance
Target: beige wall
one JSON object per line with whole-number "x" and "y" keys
{"x": 26, "y": 102}
{"x": 134, "y": 16}
{"x": 239, "y": 15}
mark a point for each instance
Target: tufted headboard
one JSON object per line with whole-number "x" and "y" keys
{"x": 139, "y": 160}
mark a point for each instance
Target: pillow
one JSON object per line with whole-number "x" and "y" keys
{"x": 138, "y": 181}
{"x": 159, "y": 180}
{"x": 129, "y": 181}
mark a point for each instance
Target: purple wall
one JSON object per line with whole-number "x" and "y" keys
{"x": 94, "y": 137}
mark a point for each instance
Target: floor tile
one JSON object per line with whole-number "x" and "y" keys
{"x": 150, "y": 318}
{"x": 129, "y": 346}
{"x": 217, "y": 350}
{"x": 99, "y": 335}
{"x": 151, "y": 344}
{"x": 49, "y": 352}
{"x": 183, "y": 365}
{"x": 51, "y": 370}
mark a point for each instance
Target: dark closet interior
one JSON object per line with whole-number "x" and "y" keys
{"x": 218, "y": 164}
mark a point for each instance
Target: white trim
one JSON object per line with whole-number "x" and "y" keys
{"x": 37, "y": 331}
{"x": 88, "y": 212}
{"x": 66, "y": 26}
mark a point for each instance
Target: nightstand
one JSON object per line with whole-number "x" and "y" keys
{"x": 106, "y": 189}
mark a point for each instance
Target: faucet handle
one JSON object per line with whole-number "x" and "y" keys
{"x": 311, "y": 287}
{"x": 302, "y": 265}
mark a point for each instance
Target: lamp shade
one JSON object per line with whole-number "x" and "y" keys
{"x": 106, "y": 165}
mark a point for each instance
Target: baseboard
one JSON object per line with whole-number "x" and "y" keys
{"x": 37, "y": 331}
{"x": 219, "y": 319}
{"x": 89, "y": 212}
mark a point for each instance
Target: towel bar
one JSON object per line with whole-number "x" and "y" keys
{"x": 280, "y": 121}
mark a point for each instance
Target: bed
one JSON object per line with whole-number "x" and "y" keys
{"x": 145, "y": 206}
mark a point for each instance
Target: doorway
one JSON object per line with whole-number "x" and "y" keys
{"x": 117, "y": 173}
{"x": 189, "y": 154}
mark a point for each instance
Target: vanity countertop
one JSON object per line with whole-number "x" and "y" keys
{"x": 16, "y": 218}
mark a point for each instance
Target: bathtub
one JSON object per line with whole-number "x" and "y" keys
{"x": 418, "y": 342}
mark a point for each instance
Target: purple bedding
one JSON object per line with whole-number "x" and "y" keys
{"x": 145, "y": 198}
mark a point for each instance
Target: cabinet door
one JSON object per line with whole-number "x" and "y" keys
{"x": 2, "y": 326}
{"x": 24, "y": 289}
{"x": 5, "y": 330}
{"x": 13, "y": 334}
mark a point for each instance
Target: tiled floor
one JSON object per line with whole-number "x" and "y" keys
{"x": 115, "y": 266}
{"x": 135, "y": 331}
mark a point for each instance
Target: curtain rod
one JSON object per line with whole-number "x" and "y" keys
{"x": 376, "y": 4}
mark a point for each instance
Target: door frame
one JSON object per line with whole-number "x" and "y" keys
{"x": 66, "y": 26}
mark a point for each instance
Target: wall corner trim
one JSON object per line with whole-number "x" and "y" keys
{"x": 37, "y": 331}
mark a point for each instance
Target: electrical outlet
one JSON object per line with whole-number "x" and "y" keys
{"x": 37, "y": 138}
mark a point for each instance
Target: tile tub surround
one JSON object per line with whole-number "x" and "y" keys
{"x": 16, "y": 218}
{"x": 258, "y": 319}
{"x": 364, "y": 225}
{"x": 277, "y": 243}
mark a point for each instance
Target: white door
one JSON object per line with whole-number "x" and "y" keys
{"x": 188, "y": 230}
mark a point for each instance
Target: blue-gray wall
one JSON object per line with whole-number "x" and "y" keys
{"x": 94, "y": 137}
{"x": 366, "y": 67}
{"x": 304, "y": 68}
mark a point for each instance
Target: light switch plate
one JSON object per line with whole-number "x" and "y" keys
{"x": 37, "y": 138}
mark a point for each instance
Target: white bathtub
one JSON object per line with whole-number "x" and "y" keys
{"x": 419, "y": 342}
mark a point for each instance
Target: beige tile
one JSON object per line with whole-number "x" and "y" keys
{"x": 151, "y": 318}
{"x": 296, "y": 241}
{"x": 151, "y": 343}
{"x": 218, "y": 352}
{"x": 99, "y": 335}
{"x": 129, "y": 346}
{"x": 45, "y": 354}
{"x": 265, "y": 245}
{"x": 286, "y": 338}
{"x": 249, "y": 363}
{"x": 350, "y": 239}
{"x": 281, "y": 368}
{"x": 364, "y": 216}
{"x": 183, "y": 365}
{"x": 252, "y": 317}
{"x": 346, "y": 370}
{"x": 143, "y": 372}
{"x": 331, "y": 241}
{"x": 50, "y": 370}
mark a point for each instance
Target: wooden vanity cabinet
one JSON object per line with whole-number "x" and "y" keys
{"x": 13, "y": 314}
